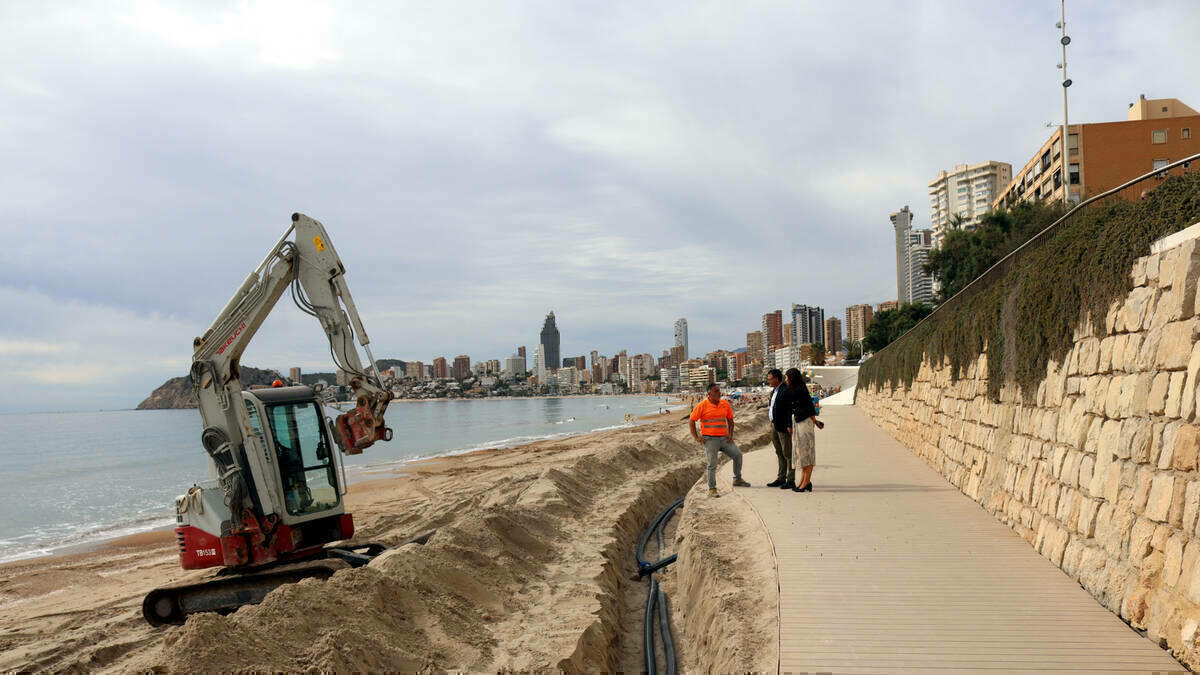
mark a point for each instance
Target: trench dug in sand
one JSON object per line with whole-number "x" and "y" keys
{"x": 529, "y": 569}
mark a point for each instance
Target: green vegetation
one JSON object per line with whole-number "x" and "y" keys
{"x": 965, "y": 254}
{"x": 890, "y": 324}
{"x": 817, "y": 357}
{"x": 1026, "y": 316}
{"x": 853, "y": 350}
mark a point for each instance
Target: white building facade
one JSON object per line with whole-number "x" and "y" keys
{"x": 966, "y": 191}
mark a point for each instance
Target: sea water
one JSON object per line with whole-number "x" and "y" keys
{"x": 74, "y": 478}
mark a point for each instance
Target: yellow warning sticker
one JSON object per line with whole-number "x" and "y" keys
{"x": 318, "y": 243}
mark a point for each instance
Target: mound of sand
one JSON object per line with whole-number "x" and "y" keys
{"x": 528, "y": 570}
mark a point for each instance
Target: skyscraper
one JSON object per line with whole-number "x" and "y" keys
{"x": 462, "y": 367}
{"x": 440, "y": 372}
{"x": 912, "y": 251}
{"x": 966, "y": 191}
{"x": 833, "y": 335}
{"x": 681, "y": 336}
{"x": 550, "y": 342}
{"x": 808, "y": 324}
{"x": 754, "y": 346}
{"x": 539, "y": 364}
{"x": 294, "y": 375}
{"x": 772, "y": 332}
{"x": 858, "y": 317}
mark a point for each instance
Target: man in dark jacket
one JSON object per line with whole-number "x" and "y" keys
{"x": 780, "y": 413}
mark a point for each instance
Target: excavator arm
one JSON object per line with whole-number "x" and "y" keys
{"x": 305, "y": 264}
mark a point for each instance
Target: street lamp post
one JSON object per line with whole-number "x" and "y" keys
{"x": 1064, "y": 40}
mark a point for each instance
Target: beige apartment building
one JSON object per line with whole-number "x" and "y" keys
{"x": 966, "y": 191}
{"x": 1103, "y": 155}
{"x": 858, "y": 317}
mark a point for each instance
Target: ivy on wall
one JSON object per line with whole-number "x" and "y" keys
{"x": 1026, "y": 316}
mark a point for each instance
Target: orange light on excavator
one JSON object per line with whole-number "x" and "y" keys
{"x": 277, "y": 383}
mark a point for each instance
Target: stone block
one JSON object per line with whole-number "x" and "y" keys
{"x": 1176, "y": 343}
{"x": 1133, "y": 346}
{"x": 1187, "y": 267}
{"x": 1152, "y": 265}
{"x": 1188, "y": 403}
{"x": 1186, "y": 448}
{"x": 1112, "y": 398}
{"x": 1175, "y": 394}
{"x": 1135, "y": 438}
{"x": 1110, "y": 438}
{"x": 1104, "y": 363}
{"x": 1113, "y": 482}
{"x": 1158, "y": 504}
{"x": 1156, "y": 401}
{"x": 1149, "y": 350}
{"x": 1144, "y": 479}
{"x": 1086, "y": 467}
{"x": 1089, "y": 356}
{"x": 1135, "y": 308}
{"x": 1138, "y": 275}
{"x": 1178, "y": 504}
{"x": 1118, "y": 352}
{"x": 1166, "y": 269}
{"x": 1139, "y": 540}
{"x": 1173, "y": 565}
{"x": 1191, "y": 507}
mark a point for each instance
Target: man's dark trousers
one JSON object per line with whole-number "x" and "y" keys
{"x": 782, "y": 441}
{"x": 781, "y": 438}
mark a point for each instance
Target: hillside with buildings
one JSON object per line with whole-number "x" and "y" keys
{"x": 176, "y": 393}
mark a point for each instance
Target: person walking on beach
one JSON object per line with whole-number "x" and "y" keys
{"x": 804, "y": 435}
{"x": 716, "y": 435}
{"x": 779, "y": 411}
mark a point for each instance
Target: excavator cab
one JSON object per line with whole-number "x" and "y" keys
{"x": 292, "y": 427}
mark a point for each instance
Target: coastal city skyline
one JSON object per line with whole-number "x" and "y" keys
{"x": 472, "y": 185}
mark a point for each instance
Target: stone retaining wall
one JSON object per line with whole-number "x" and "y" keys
{"x": 1099, "y": 471}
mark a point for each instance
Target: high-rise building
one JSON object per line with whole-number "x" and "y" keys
{"x": 580, "y": 363}
{"x": 754, "y": 347}
{"x": 789, "y": 334}
{"x": 462, "y": 367}
{"x": 550, "y": 341}
{"x": 833, "y": 335}
{"x": 539, "y": 364}
{"x": 342, "y": 378}
{"x": 595, "y": 356}
{"x": 521, "y": 351}
{"x": 808, "y": 324}
{"x": 913, "y": 284}
{"x": 964, "y": 194}
{"x": 887, "y": 306}
{"x": 440, "y": 371}
{"x": 294, "y": 375}
{"x": 514, "y": 366}
{"x": 415, "y": 370}
{"x": 920, "y": 283}
{"x": 1104, "y": 155}
{"x": 681, "y": 336}
{"x": 858, "y": 317}
{"x": 772, "y": 331}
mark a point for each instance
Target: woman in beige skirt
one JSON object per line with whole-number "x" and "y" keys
{"x": 804, "y": 435}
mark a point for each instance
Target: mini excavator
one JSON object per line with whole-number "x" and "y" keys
{"x": 272, "y": 510}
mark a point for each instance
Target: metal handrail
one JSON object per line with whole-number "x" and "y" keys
{"x": 961, "y": 296}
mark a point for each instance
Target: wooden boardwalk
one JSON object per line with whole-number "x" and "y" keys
{"x": 886, "y": 567}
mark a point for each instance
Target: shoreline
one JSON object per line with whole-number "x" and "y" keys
{"x": 358, "y": 479}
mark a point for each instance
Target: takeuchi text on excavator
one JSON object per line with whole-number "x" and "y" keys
{"x": 273, "y": 501}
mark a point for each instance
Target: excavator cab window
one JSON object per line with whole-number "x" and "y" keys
{"x": 306, "y": 466}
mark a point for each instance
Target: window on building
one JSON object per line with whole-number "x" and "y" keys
{"x": 1161, "y": 164}
{"x": 1073, "y": 143}
{"x": 1057, "y": 178}
{"x": 1073, "y": 174}
{"x": 1164, "y": 108}
{"x": 1045, "y": 160}
{"x": 1057, "y": 148}
{"x": 1186, "y": 133}
{"x": 1158, "y": 136}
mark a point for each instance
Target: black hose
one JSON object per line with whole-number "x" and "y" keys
{"x": 656, "y": 597}
{"x": 649, "y": 627}
{"x": 664, "y": 631}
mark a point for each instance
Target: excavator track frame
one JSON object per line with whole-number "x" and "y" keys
{"x": 231, "y": 590}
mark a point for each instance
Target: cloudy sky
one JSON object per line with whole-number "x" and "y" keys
{"x": 479, "y": 164}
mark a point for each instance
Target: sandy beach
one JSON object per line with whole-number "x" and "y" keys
{"x": 528, "y": 569}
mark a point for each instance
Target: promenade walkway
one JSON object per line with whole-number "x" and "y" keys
{"x": 886, "y": 567}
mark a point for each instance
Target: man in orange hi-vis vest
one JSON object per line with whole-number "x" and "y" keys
{"x": 715, "y": 416}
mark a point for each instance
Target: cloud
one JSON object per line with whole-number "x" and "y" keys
{"x": 479, "y": 165}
